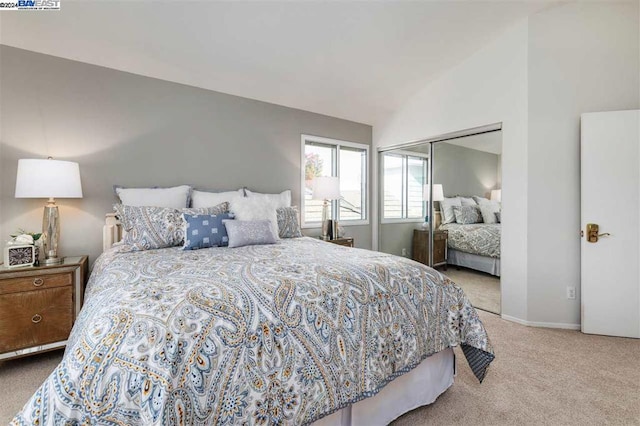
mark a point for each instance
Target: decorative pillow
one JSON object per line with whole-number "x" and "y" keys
{"x": 480, "y": 200}
{"x": 147, "y": 228}
{"x": 288, "y": 222}
{"x": 282, "y": 199}
{"x": 176, "y": 197}
{"x": 255, "y": 208}
{"x": 253, "y": 232}
{"x": 499, "y": 217}
{"x": 205, "y": 230}
{"x": 488, "y": 212}
{"x": 207, "y": 199}
{"x": 466, "y": 215}
{"x": 467, "y": 201}
{"x": 446, "y": 207}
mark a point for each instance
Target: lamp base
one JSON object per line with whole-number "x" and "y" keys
{"x": 51, "y": 233}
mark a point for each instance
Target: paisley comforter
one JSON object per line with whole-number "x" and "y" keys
{"x": 479, "y": 238}
{"x": 276, "y": 334}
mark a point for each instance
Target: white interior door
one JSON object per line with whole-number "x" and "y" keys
{"x": 610, "y": 275}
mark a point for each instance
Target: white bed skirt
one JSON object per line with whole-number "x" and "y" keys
{"x": 421, "y": 386}
{"x": 490, "y": 265}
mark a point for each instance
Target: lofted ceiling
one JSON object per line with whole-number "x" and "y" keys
{"x": 356, "y": 60}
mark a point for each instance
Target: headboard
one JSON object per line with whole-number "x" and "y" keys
{"x": 111, "y": 231}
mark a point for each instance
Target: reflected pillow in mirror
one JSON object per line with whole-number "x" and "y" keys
{"x": 488, "y": 212}
{"x": 467, "y": 201}
{"x": 466, "y": 215}
{"x": 446, "y": 207}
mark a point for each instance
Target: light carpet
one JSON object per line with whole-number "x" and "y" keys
{"x": 540, "y": 377}
{"x": 483, "y": 290}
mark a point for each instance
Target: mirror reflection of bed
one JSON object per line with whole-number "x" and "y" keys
{"x": 466, "y": 214}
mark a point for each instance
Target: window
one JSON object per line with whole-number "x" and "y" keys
{"x": 346, "y": 160}
{"x": 404, "y": 176}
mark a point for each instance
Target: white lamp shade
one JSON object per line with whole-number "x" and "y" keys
{"x": 48, "y": 179}
{"x": 438, "y": 192}
{"x": 326, "y": 188}
{"x": 496, "y": 195}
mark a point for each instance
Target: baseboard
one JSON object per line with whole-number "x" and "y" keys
{"x": 541, "y": 324}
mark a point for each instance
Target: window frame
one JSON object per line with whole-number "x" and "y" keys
{"x": 335, "y": 171}
{"x": 405, "y": 160}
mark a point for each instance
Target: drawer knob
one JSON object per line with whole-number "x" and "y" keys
{"x": 38, "y": 282}
{"x": 36, "y": 318}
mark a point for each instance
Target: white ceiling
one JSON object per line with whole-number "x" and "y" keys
{"x": 354, "y": 60}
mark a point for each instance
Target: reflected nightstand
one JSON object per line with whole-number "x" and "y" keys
{"x": 344, "y": 241}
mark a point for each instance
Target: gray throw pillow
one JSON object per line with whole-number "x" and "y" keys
{"x": 250, "y": 232}
{"x": 288, "y": 222}
{"x": 466, "y": 215}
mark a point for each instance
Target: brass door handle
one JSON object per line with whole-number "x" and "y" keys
{"x": 593, "y": 234}
{"x": 38, "y": 282}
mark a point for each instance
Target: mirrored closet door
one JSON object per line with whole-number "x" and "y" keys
{"x": 440, "y": 204}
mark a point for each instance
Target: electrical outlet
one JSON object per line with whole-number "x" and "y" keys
{"x": 571, "y": 292}
{"x": 404, "y": 252}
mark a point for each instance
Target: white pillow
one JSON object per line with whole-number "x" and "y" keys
{"x": 255, "y": 208}
{"x": 282, "y": 199}
{"x": 480, "y": 200}
{"x": 176, "y": 197}
{"x": 468, "y": 201}
{"x": 488, "y": 212}
{"x": 208, "y": 199}
{"x": 446, "y": 207}
{"x": 485, "y": 202}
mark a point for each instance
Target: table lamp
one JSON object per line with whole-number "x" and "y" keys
{"x": 326, "y": 188}
{"x": 49, "y": 179}
{"x": 496, "y": 195}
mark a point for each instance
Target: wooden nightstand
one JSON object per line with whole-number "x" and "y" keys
{"x": 38, "y": 306}
{"x": 421, "y": 247}
{"x": 345, "y": 241}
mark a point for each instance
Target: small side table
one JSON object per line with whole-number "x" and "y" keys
{"x": 39, "y": 304}
{"x": 344, "y": 241}
{"x": 420, "y": 252}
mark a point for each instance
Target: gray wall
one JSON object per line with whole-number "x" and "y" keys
{"x": 397, "y": 236}
{"x": 464, "y": 171}
{"x": 137, "y": 131}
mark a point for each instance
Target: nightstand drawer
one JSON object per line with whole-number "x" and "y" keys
{"x": 33, "y": 318}
{"x": 36, "y": 282}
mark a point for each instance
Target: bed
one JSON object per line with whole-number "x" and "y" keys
{"x": 475, "y": 246}
{"x": 297, "y": 332}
